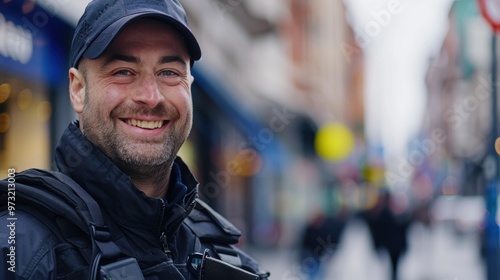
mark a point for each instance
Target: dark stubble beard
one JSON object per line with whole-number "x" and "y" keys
{"x": 128, "y": 156}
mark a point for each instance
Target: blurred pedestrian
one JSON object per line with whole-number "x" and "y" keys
{"x": 388, "y": 230}
{"x": 319, "y": 242}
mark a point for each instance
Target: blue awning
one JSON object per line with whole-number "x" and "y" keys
{"x": 247, "y": 122}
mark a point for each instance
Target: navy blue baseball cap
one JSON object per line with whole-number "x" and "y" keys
{"x": 103, "y": 20}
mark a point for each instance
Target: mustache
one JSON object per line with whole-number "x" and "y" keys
{"x": 160, "y": 111}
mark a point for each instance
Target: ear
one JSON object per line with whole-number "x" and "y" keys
{"x": 191, "y": 80}
{"x": 76, "y": 89}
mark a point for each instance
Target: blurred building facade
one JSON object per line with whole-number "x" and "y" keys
{"x": 461, "y": 108}
{"x": 33, "y": 63}
{"x": 460, "y": 102}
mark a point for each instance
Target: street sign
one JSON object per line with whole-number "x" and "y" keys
{"x": 490, "y": 9}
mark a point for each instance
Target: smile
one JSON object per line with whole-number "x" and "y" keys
{"x": 144, "y": 124}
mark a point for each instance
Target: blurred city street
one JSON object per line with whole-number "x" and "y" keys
{"x": 305, "y": 110}
{"x": 436, "y": 253}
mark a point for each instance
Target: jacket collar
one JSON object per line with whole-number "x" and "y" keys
{"x": 114, "y": 191}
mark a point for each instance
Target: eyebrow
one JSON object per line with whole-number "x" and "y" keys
{"x": 119, "y": 57}
{"x": 172, "y": 58}
{"x": 136, "y": 60}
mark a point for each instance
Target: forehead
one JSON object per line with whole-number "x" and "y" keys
{"x": 148, "y": 32}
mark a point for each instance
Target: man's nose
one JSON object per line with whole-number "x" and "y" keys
{"x": 149, "y": 92}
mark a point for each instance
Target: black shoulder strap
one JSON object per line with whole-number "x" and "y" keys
{"x": 210, "y": 226}
{"x": 215, "y": 232}
{"x": 218, "y": 234}
{"x": 55, "y": 192}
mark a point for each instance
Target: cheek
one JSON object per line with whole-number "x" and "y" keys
{"x": 182, "y": 102}
{"x": 112, "y": 93}
{"x": 188, "y": 105}
{"x": 102, "y": 102}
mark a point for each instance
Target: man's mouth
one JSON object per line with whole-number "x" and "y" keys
{"x": 145, "y": 124}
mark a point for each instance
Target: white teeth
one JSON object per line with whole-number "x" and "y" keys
{"x": 145, "y": 124}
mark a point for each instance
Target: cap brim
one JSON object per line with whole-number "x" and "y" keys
{"x": 104, "y": 39}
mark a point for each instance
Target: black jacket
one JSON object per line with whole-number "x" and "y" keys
{"x": 159, "y": 233}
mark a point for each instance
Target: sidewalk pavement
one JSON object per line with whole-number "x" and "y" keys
{"x": 436, "y": 253}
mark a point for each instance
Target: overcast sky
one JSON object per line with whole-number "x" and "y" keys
{"x": 398, "y": 38}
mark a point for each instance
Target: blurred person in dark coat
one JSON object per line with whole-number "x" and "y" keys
{"x": 388, "y": 230}
{"x": 319, "y": 241}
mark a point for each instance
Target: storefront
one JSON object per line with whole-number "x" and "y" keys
{"x": 34, "y": 48}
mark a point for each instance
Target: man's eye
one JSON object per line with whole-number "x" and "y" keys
{"x": 168, "y": 73}
{"x": 123, "y": 72}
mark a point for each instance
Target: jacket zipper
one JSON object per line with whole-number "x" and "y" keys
{"x": 179, "y": 220}
{"x": 163, "y": 235}
{"x": 164, "y": 244}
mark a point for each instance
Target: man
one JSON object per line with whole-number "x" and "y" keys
{"x": 130, "y": 84}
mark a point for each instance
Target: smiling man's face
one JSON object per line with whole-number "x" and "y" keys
{"x": 134, "y": 101}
